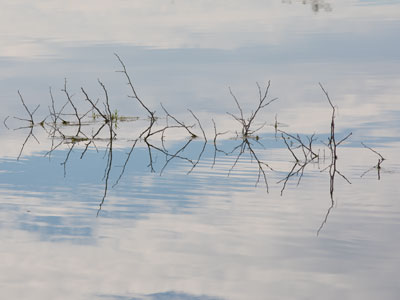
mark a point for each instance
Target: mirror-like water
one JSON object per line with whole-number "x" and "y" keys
{"x": 136, "y": 200}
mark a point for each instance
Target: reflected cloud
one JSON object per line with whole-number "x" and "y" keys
{"x": 171, "y": 295}
{"x": 204, "y": 235}
{"x": 178, "y": 24}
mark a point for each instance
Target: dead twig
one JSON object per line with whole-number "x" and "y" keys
{"x": 332, "y": 144}
{"x": 378, "y": 165}
{"x": 4, "y": 122}
{"x": 130, "y": 84}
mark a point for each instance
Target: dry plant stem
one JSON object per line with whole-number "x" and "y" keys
{"x": 247, "y": 124}
{"x": 378, "y": 165}
{"x": 107, "y": 116}
{"x": 332, "y": 139}
{"x": 135, "y": 95}
{"x": 164, "y": 129}
{"x": 332, "y": 167}
{"x": 178, "y": 122}
{"x": 303, "y": 146}
{"x": 263, "y": 97}
{"x": 52, "y": 110}
{"x": 69, "y": 97}
{"x": 30, "y": 120}
{"x": 376, "y": 152}
{"x": 4, "y": 122}
{"x": 291, "y": 151}
{"x": 55, "y": 115}
{"x": 107, "y": 104}
{"x": 94, "y": 105}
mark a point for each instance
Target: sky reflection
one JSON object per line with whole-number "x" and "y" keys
{"x": 205, "y": 235}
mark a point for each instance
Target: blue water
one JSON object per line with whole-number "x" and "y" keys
{"x": 201, "y": 228}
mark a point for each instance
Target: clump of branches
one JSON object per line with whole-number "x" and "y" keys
{"x": 248, "y": 133}
{"x": 247, "y": 129}
{"x": 292, "y": 143}
{"x": 306, "y": 147}
{"x": 154, "y": 136}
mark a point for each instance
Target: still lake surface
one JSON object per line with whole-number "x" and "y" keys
{"x": 200, "y": 228}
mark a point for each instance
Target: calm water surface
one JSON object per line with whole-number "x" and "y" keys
{"x": 199, "y": 228}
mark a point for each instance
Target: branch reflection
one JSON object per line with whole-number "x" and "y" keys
{"x": 83, "y": 124}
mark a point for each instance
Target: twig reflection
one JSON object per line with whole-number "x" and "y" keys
{"x": 70, "y": 130}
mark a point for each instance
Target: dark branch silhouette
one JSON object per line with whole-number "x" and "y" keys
{"x": 154, "y": 135}
{"x": 135, "y": 95}
{"x": 378, "y": 166}
{"x": 332, "y": 144}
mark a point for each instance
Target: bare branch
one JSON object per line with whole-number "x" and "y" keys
{"x": 376, "y": 152}
{"x": 135, "y": 95}
{"x": 4, "y": 122}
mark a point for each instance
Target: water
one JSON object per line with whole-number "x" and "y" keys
{"x": 199, "y": 228}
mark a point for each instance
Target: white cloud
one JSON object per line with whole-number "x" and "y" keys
{"x": 26, "y": 26}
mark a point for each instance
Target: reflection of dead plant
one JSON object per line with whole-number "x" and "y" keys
{"x": 149, "y": 133}
{"x": 247, "y": 132}
{"x": 299, "y": 165}
{"x": 245, "y": 145}
{"x": 216, "y": 134}
{"x": 109, "y": 153}
{"x": 296, "y": 170}
{"x": 154, "y": 135}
